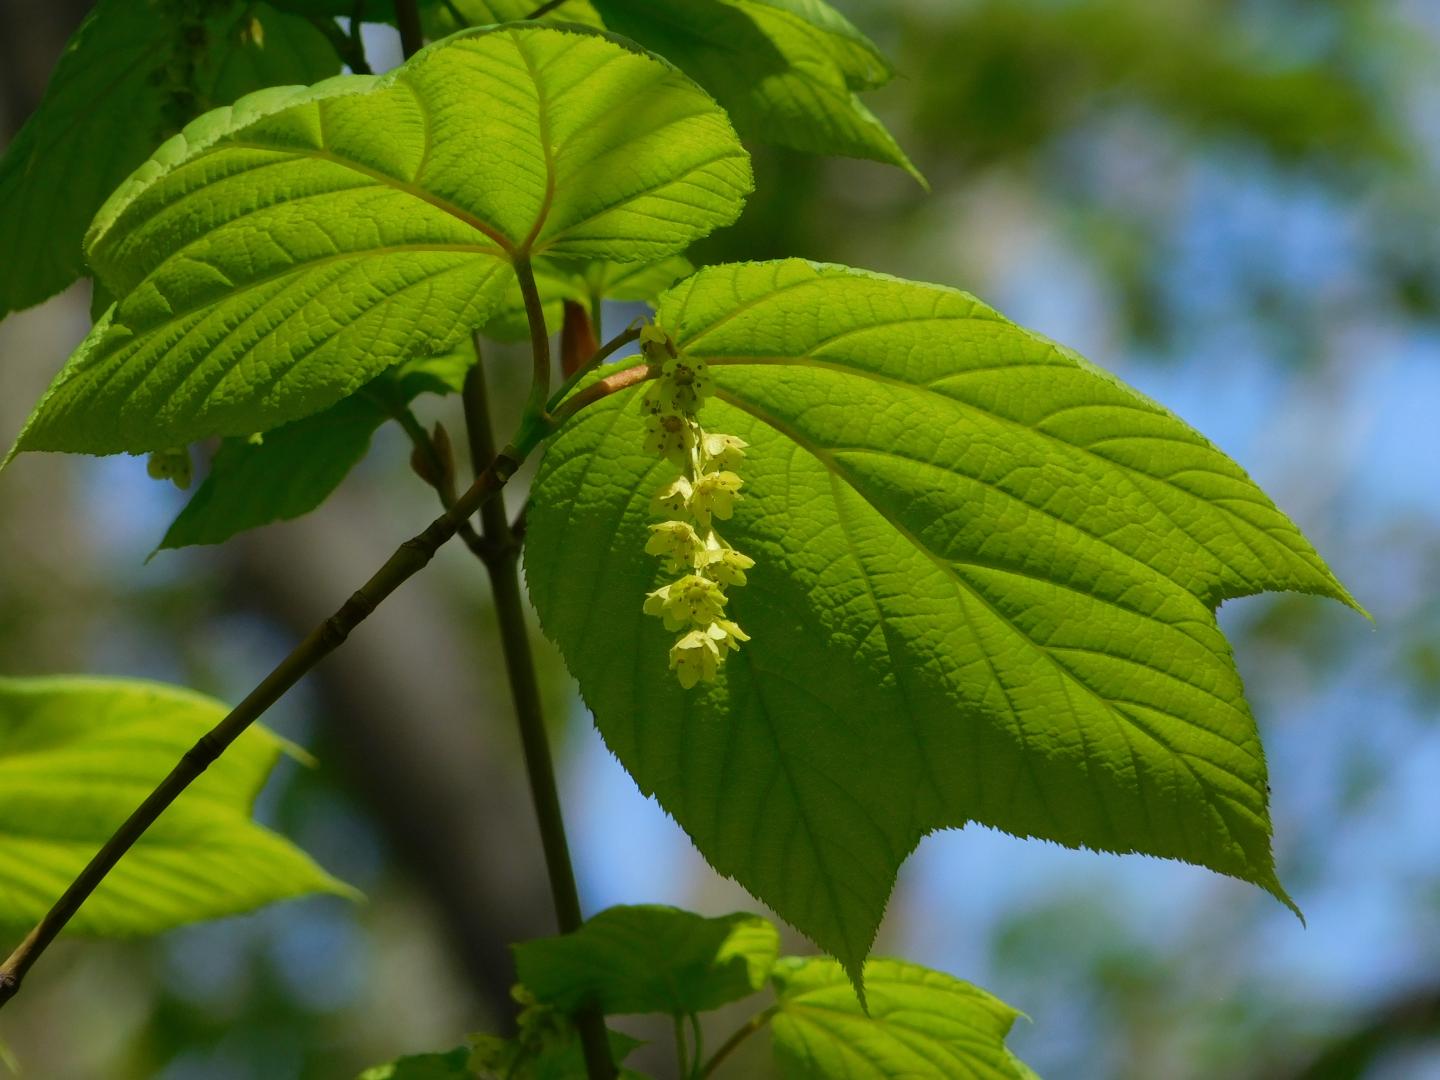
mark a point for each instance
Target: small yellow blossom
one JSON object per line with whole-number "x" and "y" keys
{"x": 723, "y": 451}
{"x": 691, "y": 601}
{"x": 714, "y": 495}
{"x": 678, "y": 543}
{"x": 695, "y": 658}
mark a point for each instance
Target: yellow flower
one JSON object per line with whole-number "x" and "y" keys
{"x": 691, "y": 601}
{"x": 725, "y": 565}
{"x": 723, "y": 451}
{"x": 726, "y": 635}
{"x": 695, "y": 658}
{"x": 678, "y": 542}
{"x": 714, "y": 495}
{"x": 671, "y": 437}
{"x": 673, "y": 498}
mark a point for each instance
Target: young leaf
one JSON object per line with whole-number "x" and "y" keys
{"x": 921, "y": 1025}
{"x": 650, "y": 959}
{"x": 984, "y": 590}
{"x": 786, "y": 70}
{"x": 288, "y": 472}
{"x": 78, "y": 755}
{"x": 130, "y": 76}
{"x": 279, "y": 254}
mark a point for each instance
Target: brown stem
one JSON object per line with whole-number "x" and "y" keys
{"x": 408, "y": 559}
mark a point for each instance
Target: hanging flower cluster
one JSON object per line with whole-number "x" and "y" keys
{"x": 704, "y": 492}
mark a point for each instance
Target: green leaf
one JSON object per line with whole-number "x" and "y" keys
{"x": 442, "y": 17}
{"x": 130, "y": 76}
{"x": 77, "y": 755}
{"x": 786, "y": 70}
{"x": 284, "y": 474}
{"x": 279, "y": 254}
{"x": 454, "y": 1065}
{"x": 921, "y": 1024}
{"x": 985, "y": 582}
{"x": 651, "y": 959}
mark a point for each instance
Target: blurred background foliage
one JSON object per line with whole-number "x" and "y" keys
{"x": 1230, "y": 203}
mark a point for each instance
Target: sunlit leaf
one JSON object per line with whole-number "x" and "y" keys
{"x": 77, "y": 755}
{"x": 920, "y": 1025}
{"x": 985, "y": 583}
{"x": 786, "y": 70}
{"x": 279, "y": 254}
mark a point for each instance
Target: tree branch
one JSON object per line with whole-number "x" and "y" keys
{"x": 408, "y": 559}
{"x": 407, "y": 18}
{"x": 504, "y": 570}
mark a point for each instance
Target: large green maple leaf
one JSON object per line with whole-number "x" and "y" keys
{"x": 985, "y": 589}
{"x": 280, "y": 253}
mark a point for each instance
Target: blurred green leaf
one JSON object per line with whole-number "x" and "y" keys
{"x": 390, "y": 224}
{"x": 78, "y": 755}
{"x": 134, "y": 72}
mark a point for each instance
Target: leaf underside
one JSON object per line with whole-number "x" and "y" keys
{"x": 985, "y": 582}
{"x": 77, "y": 755}
{"x": 281, "y": 253}
{"x": 787, "y": 71}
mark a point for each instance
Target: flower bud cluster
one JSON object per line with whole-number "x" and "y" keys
{"x": 704, "y": 492}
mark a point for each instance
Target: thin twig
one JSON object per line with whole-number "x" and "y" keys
{"x": 603, "y": 388}
{"x": 609, "y": 349}
{"x": 408, "y": 559}
{"x": 350, "y": 50}
{"x": 444, "y": 477}
{"x": 544, "y": 9}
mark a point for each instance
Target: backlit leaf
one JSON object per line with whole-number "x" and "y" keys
{"x": 786, "y": 70}
{"x": 921, "y": 1025}
{"x": 77, "y": 755}
{"x": 985, "y": 583}
{"x": 279, "y": 254}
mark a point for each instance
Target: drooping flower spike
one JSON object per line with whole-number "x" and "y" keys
{"x": 705, "y": 490}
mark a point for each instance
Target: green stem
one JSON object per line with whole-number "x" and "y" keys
{"x": 597, "y": 390}
{"x": 682, "y": 1058}
{"x": 699, "y": 1032}
{"x": 754, "y": 1024}
{"x": 409, "y": 558}
{"x": 609, "y": 349}
{"x": 539, "y": 338}
{"x": 503, "y": 565}
{"x": 407, "y": 18}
